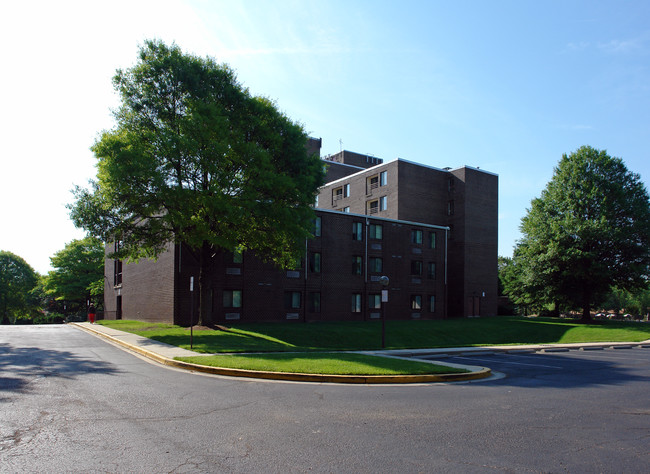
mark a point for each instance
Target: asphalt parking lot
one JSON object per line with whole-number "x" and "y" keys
{"x": 583, "y": 366}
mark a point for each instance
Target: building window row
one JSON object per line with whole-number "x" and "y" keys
{"x": 417, "y": 238}
{"x": 293, "y": 301}
{"x": 376, "y": 231}
{"x": 375, "y": 265}
{"x": 374, "y": 302}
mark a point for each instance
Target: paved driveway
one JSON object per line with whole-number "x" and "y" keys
{"x": 70, "y": 402}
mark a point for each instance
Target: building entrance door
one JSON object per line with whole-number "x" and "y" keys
{"x": 118, "y": 307}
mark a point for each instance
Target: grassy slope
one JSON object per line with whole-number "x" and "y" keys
{"x": 301, "y": 347}
{"x": 399, "y": 334}
{"x": 323, "y": 363}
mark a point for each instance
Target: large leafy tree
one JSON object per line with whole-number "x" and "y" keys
{"x": 589, "y": 231}
{"x": 17, "y": 280}
{"x": 78, "y": 274}
{"x": 194, "y": 158}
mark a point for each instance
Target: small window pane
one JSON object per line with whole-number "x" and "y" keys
{"x": 314, "y": 302}
{"x": 357, "y": 231}
{"x": 431, "y": 271}
{"x": 374, "y": 301}
{"x": 232, "y": 298}
{"x": 357, "y": 265}
{"x": 416, "y": 301}
{"x": 292, "y": 300}
{"x": 315, "y": 262}
{"x": 317, "y": 227}
{"x": 356, "y": 302}
{"x": 376, "y": 231}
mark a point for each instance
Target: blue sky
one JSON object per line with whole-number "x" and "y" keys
{"x": 507, "y": 86}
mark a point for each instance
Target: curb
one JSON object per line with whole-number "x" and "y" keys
{"x": 294, "y": 377}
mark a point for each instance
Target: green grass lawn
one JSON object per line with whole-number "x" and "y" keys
{"x": 322, "y": 363}
{"x": 348, "y": 336}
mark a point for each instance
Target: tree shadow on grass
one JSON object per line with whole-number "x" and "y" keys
{"x": 212, "y": 341}
{"x": 19, "y": 366}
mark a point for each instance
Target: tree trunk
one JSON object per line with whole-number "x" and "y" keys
{"x": 586, "y": 306}
{"x": 204, "y": 285}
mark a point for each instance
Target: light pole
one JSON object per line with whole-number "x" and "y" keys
{"x": 385, "y": 281}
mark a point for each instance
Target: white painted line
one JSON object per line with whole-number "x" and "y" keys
{"x": 512, "y": 363}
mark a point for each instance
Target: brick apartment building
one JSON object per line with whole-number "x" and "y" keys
{"x": 432, "y": 231}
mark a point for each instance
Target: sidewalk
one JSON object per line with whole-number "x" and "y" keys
{"x": 165, "y": 353}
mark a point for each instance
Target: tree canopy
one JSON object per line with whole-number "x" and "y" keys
{"x": 589, "y": 231}
{"x": 78, "y": 274}
{"x": 17, "y": 280}
{"x": 194, "y": 158}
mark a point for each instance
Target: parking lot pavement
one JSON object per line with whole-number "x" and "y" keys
{"x": 569, "y": 367}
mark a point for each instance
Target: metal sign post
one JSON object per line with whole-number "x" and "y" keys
{"x": 385, "y": 281}
{"x": 191, "y": 312}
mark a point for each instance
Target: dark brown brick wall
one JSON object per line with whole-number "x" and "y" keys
{"x": 146, "y": 291}
{"x": 263, "y": 286}
{"x": 465, "y": 200}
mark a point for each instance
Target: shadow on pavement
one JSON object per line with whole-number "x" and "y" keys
{"x": 19, "y": 366}
{"x": 567, "y": 370}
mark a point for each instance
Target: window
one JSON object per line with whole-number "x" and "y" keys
{"x": 373, "y": 182}
{"x": 337, "y": 194}
{"x": 450, "y": 185}
{"x": 346, "y": 209}
{"x": 432, "y": 304}
{"x": 376, "y": 231}
{"x": 432, "y": 240}
{"x": 416, "y": 267}
{"x": 416, "y": 236}
{"x": 383, "y": 178}
{"x": 316, "y": 201}
{"x": 117, "y": 265}
{"x": 356, "y": 302}
{"x": 314, "y": 302}
{"x": 431, "y": 271}
{"x": 372, "y": 207}
{"x": 346, "y": 190}
{"x": 315, "y": 262}
{"x": 357, "y": 231}
{"x": 374, "y": 301}
{"x": 237, "y": 256}
{"x": 383, "y": 203}
{"x": 375, "y": 264}
{"x": 357, "y": 265}
{"x": 117, "y": 276}
{"x": 450, "y": 208}
{"x": 232, "y": 298}
{"x": 292, "y": 300}
{"x": 318, "y": 225}
{"x": 416, "y": 301}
